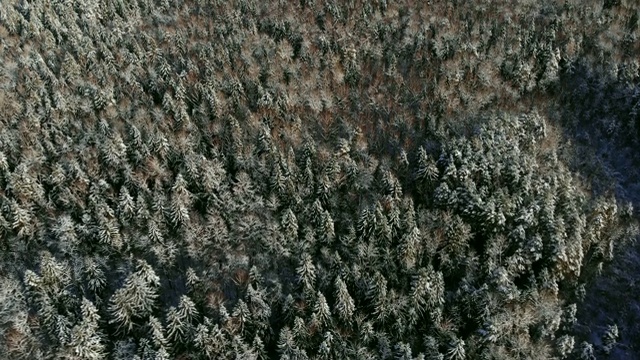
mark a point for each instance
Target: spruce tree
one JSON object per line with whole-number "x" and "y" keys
{"x": 136, "y": 299}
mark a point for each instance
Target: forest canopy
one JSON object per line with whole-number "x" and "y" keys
{"x": 310, "y": 179}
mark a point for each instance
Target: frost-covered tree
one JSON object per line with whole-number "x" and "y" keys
{"x": 136, "y": 299}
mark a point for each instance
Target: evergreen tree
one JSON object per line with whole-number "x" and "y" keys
{"x": 86, "y": 340}
{"x": 344, "y": 306}
{"x": 135, "y": 299}
{"x": 306, "y": 273}
{"x": 321, "y": 313}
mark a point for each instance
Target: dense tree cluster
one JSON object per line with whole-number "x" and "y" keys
{"x": 300, "y": 180}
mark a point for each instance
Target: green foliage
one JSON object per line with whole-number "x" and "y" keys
{"x": 610, "y": 338}
{"x": 86, "y": 341}
{"x": 136, "y": 298}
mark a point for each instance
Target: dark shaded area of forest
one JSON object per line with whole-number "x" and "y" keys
{"x": 600, "y": 120}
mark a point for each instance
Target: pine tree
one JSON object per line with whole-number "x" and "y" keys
{"x": 50, "y": 293}
{"x": 385, "y": 227}
{"x": 259, "y": 308}
{"x": 94, "y": 275}
{"x": 456, "y": 350}
{"x": 299, "y": 330}
{"x": 326, "y": 228}
{"x": 345, "y": 305}
{"x": 366, "y": 224}
{"x": 409, "y": 249}
{"x": 431, "y": 349}
{"x": 324, "y": 351}
{"x": 136, "y": 299}
{"x": 321, "y": 316}
{"x": 306, "y": 272}
{"x": 17, "y": 339}
{"x": 377, "y": 294}
{"x": 181, "y": 200}
{"x": 180, "y": 321}
{"x": 241, "y": 316}
{"x": 22, "y": 220}
{"x": 565, "y": 344}
{"x": 259, "y": 348}
{"x": 289, "y": 224}
{"x": 68, "y": 241}
{"x": 427, "y": 290}
{"x": 427, "y": 171}
{"x": 108, "y": 231}
{"x": 126, "y": 205}
{"x": 610, "y": 338}
{"x": 286, "y": 343}
{"x": 402, "y": 351}
{"x": 86, "y": 342}
{"x": 586, "y": 352}
{"x": 211, "y": 341}
{"x": 157, "y": 335}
